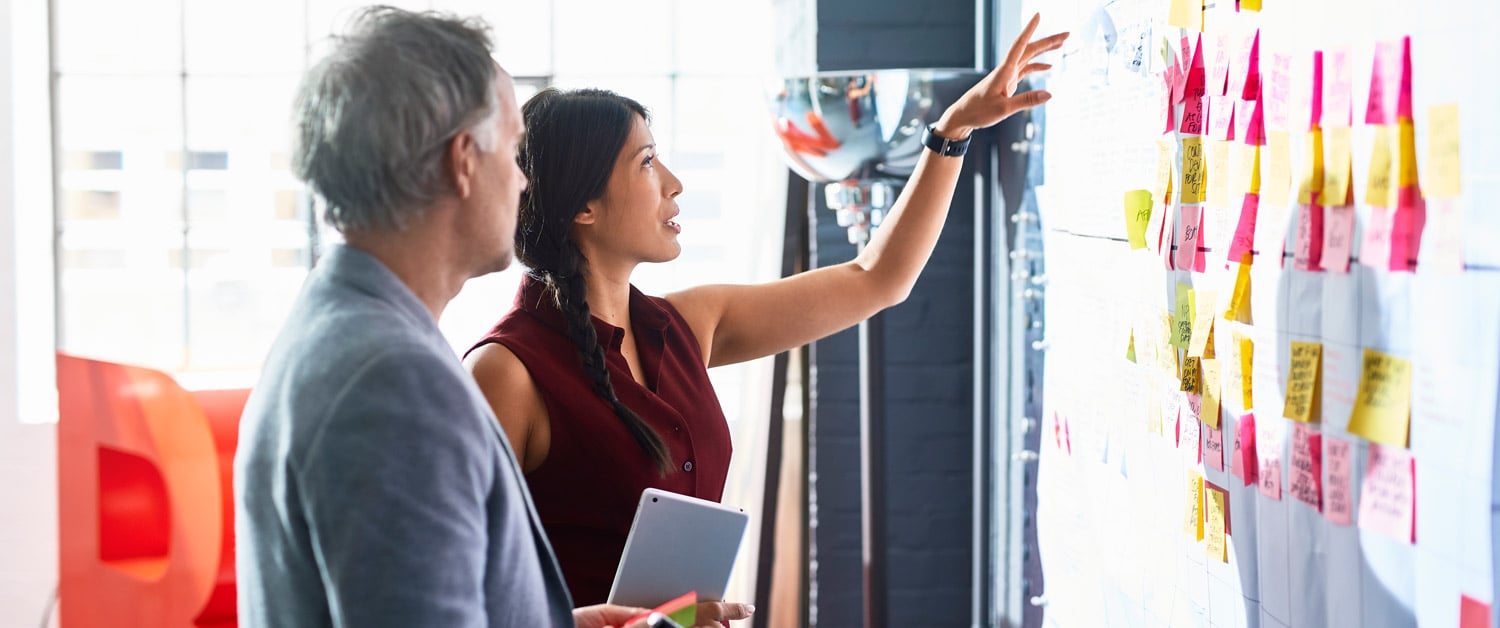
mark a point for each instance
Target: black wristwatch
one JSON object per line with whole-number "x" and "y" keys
{"x": 944, "y": 146}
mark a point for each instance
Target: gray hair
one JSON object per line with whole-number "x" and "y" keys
{"x": 375, "y": 117}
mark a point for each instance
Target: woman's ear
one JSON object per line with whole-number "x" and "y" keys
{"x": 589, "y": 215}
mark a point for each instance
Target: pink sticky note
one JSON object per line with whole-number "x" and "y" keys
{"x": 1254, "y": 127}
{"x": 1315, "y": 114}
{"x": 1309, "y": 251}
{"x": 1388, "y": 494}
{"x": 1245, "y": 462}
{"x": 1279, "y": 93}
{"x": 1270, "y": 468}
{"x": 1184, "y": 62}
{"x": 1189, "y": 228}
{"x": 1375, "y": 246}
{"x": 1406, "y": 229}
{"x": 1213, "y": 448}
{"x": 1194, "y": 110}
{"x": 1473, "y": 613}
{"x": 1165, "y": 108}
{"x": 1197, "y": 79}
{"x": 1338, "y": 236}
{"x": 1307, "y": 466}
{"x": 1068, "y": 436}
{"x": 1338, "y": 497}
{"x": 1338, "y": 101}
{"x": 1251, "y": 70}
{"x": 1218, "y": 77}
{"x": 1403, "y": 97}
{"x": 1244, "y": 232}
{"x": 1221, "y": 117}
{"x": 1384, "y": 83}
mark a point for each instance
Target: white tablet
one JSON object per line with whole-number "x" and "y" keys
{"x": 677, "y": 544}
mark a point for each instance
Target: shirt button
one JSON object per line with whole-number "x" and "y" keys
{"x": 688, "y": 466}
{"x": 677, "y": 428}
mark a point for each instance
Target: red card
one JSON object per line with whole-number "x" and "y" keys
{"x": 1197, "y": 80}
{"x": 1403, "y": 97}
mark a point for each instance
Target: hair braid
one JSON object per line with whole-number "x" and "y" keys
{"x": 570, "y": 293}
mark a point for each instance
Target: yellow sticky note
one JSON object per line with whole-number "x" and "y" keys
{"x": 1218, "y": 174}
{"x": 1130, "y": 350}
{"x": 1190, "y": 373}
{"x": 1302, "y": 382}
{"x": 1212, "y": 374}
{"x": 1165, "y": 149}
{"x": 1382, "y": 409}
{"x": 1442, "y": 151}
{"x": 1247, "y": 361}
{"x": 1244, "y": 175}
{"x": 1337, "y": 166}
{"x": 1193, "y": 525}
{"x": 1239, "y": 300}
{"x": 1193, "y": 180}
{"x": 1378, "y": 189}
{"x": 1182, "y": 317}
{"x": 1218, "y": 545}
{"x": 1406, "y": 147}
{"x": 1203, "y": 322}
{"x": 1166, "y": 354}
{"x": 1186, "y": 14}
{"x": 1276, "y": 184}
{"x": 1312, "y": 176}
{"x": 1137, "y": 216}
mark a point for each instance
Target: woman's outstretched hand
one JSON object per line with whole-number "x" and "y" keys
{"x": 994, "y": 98}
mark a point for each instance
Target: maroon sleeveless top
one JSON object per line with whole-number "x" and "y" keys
{"x": 587, "y": 488}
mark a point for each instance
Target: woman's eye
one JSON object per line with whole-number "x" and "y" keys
{"x": 650, "y": 159}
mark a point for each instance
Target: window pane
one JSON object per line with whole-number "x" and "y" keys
{"x": 263, "y": 37}
{"x": 522, "y": 31}
{"x": 621, "y": 38}
{"x": 109, "y": 36}
{"x": 720, "y": 38}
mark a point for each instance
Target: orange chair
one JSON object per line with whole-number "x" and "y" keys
{"x": 144, "y": 498}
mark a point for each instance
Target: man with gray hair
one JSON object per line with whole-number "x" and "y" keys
{"x": 372, "y": 484}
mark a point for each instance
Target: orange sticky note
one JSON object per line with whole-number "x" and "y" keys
{"x": 1247, "y": 361}
{"x": 1312, "y": 175}
{"x": 1382, "y": 408}
{"x": 1211, "y": 378}
{"x": 1406, "y": 148}
{"x": 1217, "y": 546}
{"x": 1275, "y": 185}
{"x": 1442, "y": 151}
{"x": 1218, "y": 173}
{"x": 1378, "y": 189}
{"x": 1337, "y": 167}
{"x": 1193, "y": 525}
{"x": 1193, "y": 177}
{"x": 1302, "y": 394}
{"x": 1137, "y": 216}
{"x": 1190, "y": 372}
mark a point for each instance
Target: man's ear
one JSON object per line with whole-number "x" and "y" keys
{"x": 589, "y": 215}
{"x": 463, "y": 157}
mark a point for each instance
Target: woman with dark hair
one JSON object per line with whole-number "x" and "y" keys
{"x": 604, "y": 391}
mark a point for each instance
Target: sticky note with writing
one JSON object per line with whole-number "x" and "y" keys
{"x": 1382, "y": 407}
{"x": 1379, "y": 191}
{"x": 1375, "y": 246}
{"x": 1243, "y": 242}
{"x": 1311, "y": 181}
{"x": 1442, "y": 151}
{"x": 1211, "y": 379}
{"x": 1407, "y": 224}
{"x": 1337, "y": 167}
{"x": 1276, "y": 181}
{"x": 1268, "y": 445}
{"x": 1213, "y": 448}
{"x": 1137, "y": 216}
{"x": 1307, "y": 466}
{"x": 1338, "y": 90}
{"x": 1386, "y": 71}
{"x": 1239, "y": 300}
{"x": 1165, "y": 115}
{"x": 1217, "y": 546}
{"x": 1171, "y": 411}
{"x": 1218, "y": 173}
{"x": 1189, "y": 238}
{"x": 1218, "y": 74}
{"x": 1182, "y": 317}
{"x": 1197, "y": 76}
{"x": 1189, "y": 430}
{"x": 1338, "y": 238}
{"x": 1194, "y": 116}
{"x": 1247, "y": 359}
{"x": 1340, "y": 499}
{"x": 1244, "y": 73}
{"x": 1166, "y": 352}
{"x": 1309, "y": 252}
{"x": 1388, "y": 494}
{"x": 1193, "y": 181}
{"x": 1190, "y": 372}
{"x": 1278, "y": 93}
{"x": 1302, "y": 392}
{"x": 1165, "y": 151}
{"x": 1403, "y": 91}
{"x": 1194, "y": 522}
{"x": 1445, "y": 235}
{"x": 1253, "y": 128}
{"x": 1245, "y": 463}
{"x": 1220, "y": 118}
{"x": 1203, "y": 321}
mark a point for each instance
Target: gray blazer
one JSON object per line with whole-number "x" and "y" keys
{"x": 372, "y": 484}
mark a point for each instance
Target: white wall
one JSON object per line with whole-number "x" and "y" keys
{"x": 28, "y": 468}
